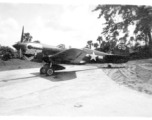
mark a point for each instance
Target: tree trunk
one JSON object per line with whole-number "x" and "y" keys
{"x": 90, "y": 46}
{"x": 99, "y": 42}
{"x": 150, "y": 43}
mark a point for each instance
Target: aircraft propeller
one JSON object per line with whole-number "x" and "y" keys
{"x": 20, "y": 51}
{"x": 22, "y": 34}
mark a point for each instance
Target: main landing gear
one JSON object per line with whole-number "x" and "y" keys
{"x": 47, "y": 69}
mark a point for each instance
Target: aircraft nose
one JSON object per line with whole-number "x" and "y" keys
{"x": 19, "y": 46}
{"x": 16, "y": 46}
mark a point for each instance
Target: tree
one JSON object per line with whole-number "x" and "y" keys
{"x": 86, "y": 46}
{"x": 27, "y": 37}
{"x": 30, "y": 39}
{"x": 6, "y": 52}
{"x": 90, "y": 43}
{"x": 115, "y": 34}
{"x": 37, "y": 41}
{"x": 140, "y": 16}
{"x": 99, "y": 39}
{"x": 96, "y": 45}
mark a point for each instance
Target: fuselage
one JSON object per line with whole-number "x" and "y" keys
{"x": 30, "y": 49}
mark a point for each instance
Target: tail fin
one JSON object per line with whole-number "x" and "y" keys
{"x": 61, "y": 46}
{"x": 22, "y": 34}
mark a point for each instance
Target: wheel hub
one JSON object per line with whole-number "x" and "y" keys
{"x": 50, "y": 71}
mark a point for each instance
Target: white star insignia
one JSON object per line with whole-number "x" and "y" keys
{"x": 93, "y": 56}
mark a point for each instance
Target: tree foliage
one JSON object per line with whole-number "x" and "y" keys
{"x": 27, "y": 37}
{"x": 111, "y": 12}
{"x": 99, "y": 39}
{"x": 6, "y": 52}
{"x": 90, "y": 43}
{"x": 140, "y": 16}
{"x": 96, "y": 45}
{"x": 37, "y": 41}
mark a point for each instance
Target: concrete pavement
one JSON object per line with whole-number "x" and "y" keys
{"x": 76, "y": 91}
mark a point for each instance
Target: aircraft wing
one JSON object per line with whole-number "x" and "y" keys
{"x": 69, "y": 56}
{"x": 103, "y": 57}
{"x": 76, "y": 56}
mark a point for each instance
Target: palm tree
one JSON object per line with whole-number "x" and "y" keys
{"x": 96, "y": 45}
{"x": 27, "y": 37}
{"x": 86, "y": 46}
{"x": 99, "y": 39}
{"x": 90, "y": 43}
{"x": 30, "y": 38}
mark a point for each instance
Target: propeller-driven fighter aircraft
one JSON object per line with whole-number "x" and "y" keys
{"x": 56, "y": 55}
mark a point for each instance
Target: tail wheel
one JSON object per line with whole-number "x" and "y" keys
{"x": 109, "y": 66}
{"x": 49, "y": 71}
{"x": 42, "y": 70}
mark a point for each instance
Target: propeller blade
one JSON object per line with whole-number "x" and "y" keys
{"x": 22, "y": 34}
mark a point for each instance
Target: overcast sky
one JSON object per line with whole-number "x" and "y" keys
{"x": 53, "y": 24}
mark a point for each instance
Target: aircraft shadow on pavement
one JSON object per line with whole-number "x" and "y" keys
{"x": 58, "y": 76}
{"x": 61, "y": 76}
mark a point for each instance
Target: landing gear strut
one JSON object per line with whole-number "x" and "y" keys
{"x": 47, "y": 69}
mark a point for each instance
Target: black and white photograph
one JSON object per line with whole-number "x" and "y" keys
{"x": 67, "y": 59}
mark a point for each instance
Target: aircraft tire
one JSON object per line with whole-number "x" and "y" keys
{"x": 42, "y": 70}
{"x": 109, "y": 66}
{"x": 49, "y": 71}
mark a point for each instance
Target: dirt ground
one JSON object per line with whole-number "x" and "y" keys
{"x": 14, "y": 64}
{"x": 136, "y": 74}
